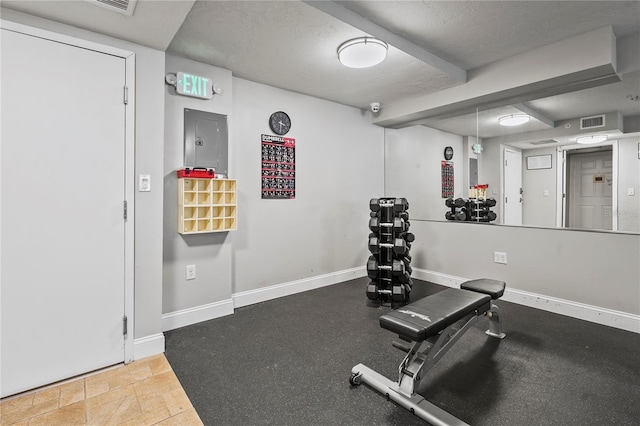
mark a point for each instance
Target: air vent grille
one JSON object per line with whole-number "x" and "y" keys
{"x": 592, "y": 122}
{"x": 125, "y": 7}
{"x": 544, "y": 142}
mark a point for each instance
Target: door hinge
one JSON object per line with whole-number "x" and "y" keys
{"x": 125, "y": 210}
{"x": 506, "y": 199}
{"x": 124, "y": 325}
{"x": 125, "y": 95}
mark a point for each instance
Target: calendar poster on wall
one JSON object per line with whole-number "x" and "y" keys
{"x": 278, "y": 167}
{"x": 447, "y": 179}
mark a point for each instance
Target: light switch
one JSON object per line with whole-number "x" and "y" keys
{"x": 546, "y": 192}
{"x": 144, "y": 184}
{"x": 631, "y": 191}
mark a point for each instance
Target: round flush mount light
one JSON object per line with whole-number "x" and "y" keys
{"x": 513, "y": 119}
{"x": 586, "y": 140}
{"x": 362, "y": 52}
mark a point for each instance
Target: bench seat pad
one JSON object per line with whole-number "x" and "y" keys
{"x": 426, "y": 317}
{"x": 493, "y": 288}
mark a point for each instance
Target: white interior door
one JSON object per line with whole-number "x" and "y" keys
{"x": 62, "y": 229}
{"x": 512, "y": 212}
{"x": 589, "y": 190}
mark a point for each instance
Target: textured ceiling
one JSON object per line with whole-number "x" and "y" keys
{"x": 292, "y": 45}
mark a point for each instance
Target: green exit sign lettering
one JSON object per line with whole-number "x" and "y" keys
{"x": 193, "y": 85}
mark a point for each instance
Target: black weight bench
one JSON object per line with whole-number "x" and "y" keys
{"x": 432, "y": 325}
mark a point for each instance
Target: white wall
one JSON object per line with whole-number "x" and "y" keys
{"x": 211, "y": 253}
{"x": 339, "y": 167}
{"x": 413, "y": 158}
{"x": 149, "y": 152}
{"x": 629, "y": 177}
{"x": 539, "y": 209}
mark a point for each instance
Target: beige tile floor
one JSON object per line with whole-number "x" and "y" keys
{"x": 144, "y": 392}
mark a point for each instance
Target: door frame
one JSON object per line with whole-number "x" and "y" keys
{"x": 561, "y": 180}
{"x": 129, "y": 178}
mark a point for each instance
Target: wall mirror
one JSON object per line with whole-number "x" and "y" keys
{"x": 538, "y": 172}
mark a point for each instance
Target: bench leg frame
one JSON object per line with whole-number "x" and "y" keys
{"x": 421, "y": 357}
{"x": 416, "y": 404}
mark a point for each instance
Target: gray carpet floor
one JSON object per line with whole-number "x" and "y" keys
{"x": 287, "y": 362}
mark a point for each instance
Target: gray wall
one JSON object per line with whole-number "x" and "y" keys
{"x": 149, "y": 112}
{"x": 413, "y": 158}
{"x": 211, "y": 253}
{"x": 339, "y": 167}
{"x": 595, "y": 268}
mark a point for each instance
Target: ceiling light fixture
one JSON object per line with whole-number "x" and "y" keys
{"x": 586, "y": 140}
{"x": 362, "y": 52}
{"x": 513, "y": 119}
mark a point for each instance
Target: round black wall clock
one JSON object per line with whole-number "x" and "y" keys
{"x": 448, "y": 153}
{"x": 280, "y": 123}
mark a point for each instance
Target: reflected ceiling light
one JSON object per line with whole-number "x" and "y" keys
{"x": 586, "y": 140}
{"x": 513, "y": 119}
{"x": 362, "y": 52}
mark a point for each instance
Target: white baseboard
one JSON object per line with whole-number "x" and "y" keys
{"x": 196, "y": 314}
{"x": 250, "y": 297}
{"x": 596, "y": 314}
{"x": 148, "y": 346}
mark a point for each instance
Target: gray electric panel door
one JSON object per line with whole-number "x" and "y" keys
{"x": 206, "y": 142}
{"x": 473, "y": 171}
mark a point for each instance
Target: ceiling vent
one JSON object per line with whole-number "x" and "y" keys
{"x": 544, "y": 142}
{"x": 592, "y": 122}
{"x": 125, "y": 7}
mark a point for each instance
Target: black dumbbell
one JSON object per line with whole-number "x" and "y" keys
{"x": 372, "y": 267}
{"x": 490, "y": 202}
{"x": 404, "y": 277}
{"x": 374, "y": 224}
{"x": 400, "y": 205}
{"x": 373, "y": 214}
{"x": 374, "y": 245}
{"x": 458, "y": 202}
{"x": 409, "y": 237}
{"x": 372, "y": 290}
{"x": 399, "y": 225}
{"x": 397, "y": 267}
{"x": 491, "y": 216}
{"x": 399, "y": 293}
{"x": 449, "y": 216}
{"x": 374, "y": 205}
{"x": 400, "y": 246}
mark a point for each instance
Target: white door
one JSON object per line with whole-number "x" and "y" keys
{"x": 512, "y": 212}
{"x": 62, "y": 230}
{"x": 589, "y": 190}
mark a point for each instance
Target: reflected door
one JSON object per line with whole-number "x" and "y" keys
{"x": 512, "y": 187}
{"x": 589, "y": 190}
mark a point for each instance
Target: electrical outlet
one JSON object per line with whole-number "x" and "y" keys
{"x": 191, "y": 272}
{"x": 500, "y": 257}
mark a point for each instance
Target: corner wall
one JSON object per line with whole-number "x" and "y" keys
{"x": 339, "y": 167}
{"x": 209, "y": 295}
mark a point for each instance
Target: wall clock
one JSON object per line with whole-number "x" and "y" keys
{"x": 448, "y": 153}
{"x": 280, "y": 123}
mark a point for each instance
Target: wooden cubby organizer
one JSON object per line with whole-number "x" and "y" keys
{"x": 206, "y": 205}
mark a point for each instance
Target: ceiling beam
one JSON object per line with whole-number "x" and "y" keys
{"x": 535, "y": 114}
{"x": 350, "y": 17}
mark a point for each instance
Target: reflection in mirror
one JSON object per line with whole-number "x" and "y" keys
{"x": 538, "y": 171}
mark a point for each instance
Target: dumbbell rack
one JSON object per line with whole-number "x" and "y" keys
{"x": 473, "y": 209}
{"x": 389, "y": 243}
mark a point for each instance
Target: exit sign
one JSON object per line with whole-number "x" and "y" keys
{"x": 193, "y": 85}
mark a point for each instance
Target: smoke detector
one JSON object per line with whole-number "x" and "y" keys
{"x": 124, "y": 7}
